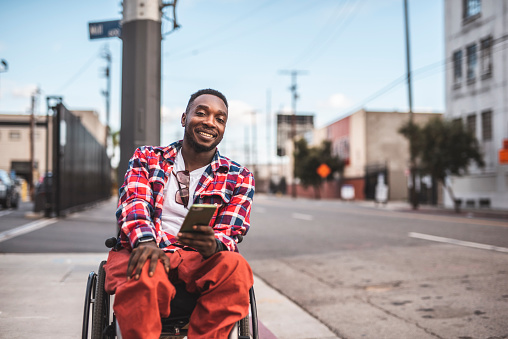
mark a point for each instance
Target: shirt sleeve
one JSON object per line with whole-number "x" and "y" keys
{"x": 135, "y": 205}
{"x": 234, "y": 218}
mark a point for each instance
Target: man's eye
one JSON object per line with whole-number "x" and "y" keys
{"x": 220, "y": 120}
{"x": 200, "y": 113}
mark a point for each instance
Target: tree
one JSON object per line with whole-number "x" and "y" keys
{"x": 308, "y": 159}
{"x": 443, "y": 148}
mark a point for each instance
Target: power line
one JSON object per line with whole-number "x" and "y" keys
{"x": 183, "y": 53}
{"x": 78, "y": 73}
{"x": 311, "y": 54}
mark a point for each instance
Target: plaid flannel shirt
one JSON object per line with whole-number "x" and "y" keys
{"x": 224, "y": 182}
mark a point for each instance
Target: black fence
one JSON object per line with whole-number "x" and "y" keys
{"x": 81, "y": 166}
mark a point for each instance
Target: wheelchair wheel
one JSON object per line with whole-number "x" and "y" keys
{"x": 244, "y": 327}
{"x": 100, "y": 313}
{"x": 89, "y": 300}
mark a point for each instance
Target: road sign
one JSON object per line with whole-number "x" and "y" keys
{"x": 105, "y": 29}
{"x": 323, "y": 170}
{"x": 503, "y": 153}
{"x": 503, "y": 156}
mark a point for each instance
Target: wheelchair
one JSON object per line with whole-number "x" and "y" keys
{"x": 103, "y": 322}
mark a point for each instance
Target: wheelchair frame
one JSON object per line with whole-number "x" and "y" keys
{"x": 98, "y": 303}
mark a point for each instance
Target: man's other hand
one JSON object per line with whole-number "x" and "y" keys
{"x": 202, "y": 240}
{"x": 146, "y": 251}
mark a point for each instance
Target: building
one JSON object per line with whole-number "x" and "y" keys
{"x": 373, "y": 151}
{"x": 476, "y": 34}
{"x": 15, "y": 141}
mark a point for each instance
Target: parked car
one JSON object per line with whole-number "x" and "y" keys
{"x": 45, "y": 183}
{"x": 9, "y": 192}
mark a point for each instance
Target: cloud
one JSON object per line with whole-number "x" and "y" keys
{"x": 338, "y": 101}
{"x": 171, "y": 114}
{"x": 24, "y": 91}
{"x": 239, "y": 113}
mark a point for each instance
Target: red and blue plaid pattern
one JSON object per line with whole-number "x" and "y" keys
{"x": 224, "y": 182}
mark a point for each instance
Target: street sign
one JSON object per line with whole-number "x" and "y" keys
{"x": 503, "y": 153}
{"x": 503, "y": 156}
{"x": 323, "y": 170}
{"x": 105, "y": 29}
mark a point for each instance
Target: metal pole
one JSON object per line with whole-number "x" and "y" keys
{"x": 254, "y": 143}
{"x": 412, "y": 167}
{"x": 294, "y": 97}
{"x": 107, "y": 92}
{"x": 32, "y": 145}
{"x": 268, "y": 135}
{"x": 141, "y": 78}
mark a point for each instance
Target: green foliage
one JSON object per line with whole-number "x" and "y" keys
{"x": 308, "y": 159}
{"x": 443, "y": 147}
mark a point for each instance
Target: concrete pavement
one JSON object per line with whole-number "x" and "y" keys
{"x": 42, "y": 294}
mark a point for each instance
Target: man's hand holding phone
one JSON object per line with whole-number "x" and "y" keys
{"x": 201, "y": 239}
{"x": 196, "y": 232}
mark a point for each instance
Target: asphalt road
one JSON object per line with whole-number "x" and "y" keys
{"x": 352, "y": 266}
{"x": 356, "y": 269}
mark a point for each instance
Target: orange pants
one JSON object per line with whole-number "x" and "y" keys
{"x": 223, "y": 282}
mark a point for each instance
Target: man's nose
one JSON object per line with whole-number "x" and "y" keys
{"x": 209, "y": 120}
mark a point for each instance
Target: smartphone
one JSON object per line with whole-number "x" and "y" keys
{"x": 199, "y": 214}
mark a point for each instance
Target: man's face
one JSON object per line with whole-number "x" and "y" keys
{"x": 205, "y": 122}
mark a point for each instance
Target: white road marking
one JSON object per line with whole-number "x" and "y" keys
{"x": 458, "y": 242}
{"x": 4, "y": 213}
{"x": 32, "y": 226}
{"x": 301, "y": 216}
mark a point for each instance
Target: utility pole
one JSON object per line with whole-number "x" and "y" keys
{"x": 294, "y": 73}
{"x": 247, "y": 146}
{"x": 107, "y": 93}
{"x": 412, "y": 165}
{"x": 254, "y": 143}
{"x": 141, "y": 78}
{"x": 31, "y": 181}
{"x": 268, "y": 135}
{"x": 4, "y": 66}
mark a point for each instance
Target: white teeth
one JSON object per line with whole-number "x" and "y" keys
{"x": 206, "y": 134}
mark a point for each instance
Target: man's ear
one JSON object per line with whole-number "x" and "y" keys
{"x": 184, "y": 118}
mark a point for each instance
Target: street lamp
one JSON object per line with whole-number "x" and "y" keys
{"x": 4, "y": 67}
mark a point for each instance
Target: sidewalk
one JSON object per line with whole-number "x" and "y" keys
{"x": 403, "y": 206}
{"x": 43, "y": 294}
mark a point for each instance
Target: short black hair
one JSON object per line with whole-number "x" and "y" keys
{"x": 206, "y": 91}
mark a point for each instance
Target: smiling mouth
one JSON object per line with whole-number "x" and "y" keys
{"x": 206, "y": 135}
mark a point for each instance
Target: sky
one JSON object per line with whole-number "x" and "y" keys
{"x": 352, "y": 55}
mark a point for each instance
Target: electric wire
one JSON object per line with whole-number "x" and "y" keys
{"x": 332, "y": 19}
{"x": 74, "y": 77}
{"x": 313, "y": 54}
{"x": 183, "y": 53}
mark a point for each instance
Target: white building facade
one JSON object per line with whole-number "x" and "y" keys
{"x": 476, "y": 38}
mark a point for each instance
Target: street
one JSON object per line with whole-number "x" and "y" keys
{"x": 352, "y": 266}
{"x": 356, "y": 269}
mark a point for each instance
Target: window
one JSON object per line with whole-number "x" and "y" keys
{"x": 487, "y": 125}
{"x": 486, "y": 57}
{"x": 472, "y": 9}
{"x": 472, "y": 61}
{"x": 15, "y": 135}
{"x": 457, "y": 121}
{"x": 457, "y": 67}
{"x": 471, "y": 123}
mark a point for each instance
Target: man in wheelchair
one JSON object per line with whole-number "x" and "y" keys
{"x": 152, "y": 255}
